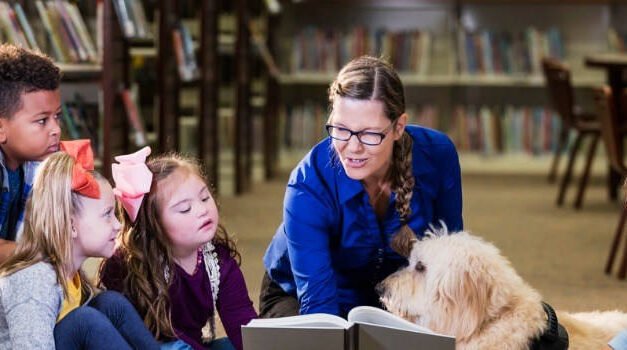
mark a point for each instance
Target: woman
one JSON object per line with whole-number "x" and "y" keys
{"x": 376, "y": 182}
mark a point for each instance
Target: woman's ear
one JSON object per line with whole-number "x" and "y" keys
{"x": 399, "y": 128}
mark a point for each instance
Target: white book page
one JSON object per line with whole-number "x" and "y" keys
{"x": 375, "y": 316}
{"x": 301, "y": 321}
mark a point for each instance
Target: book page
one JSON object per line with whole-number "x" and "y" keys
{"x": 301, "y": 321}
{"x": 375, "y": 316}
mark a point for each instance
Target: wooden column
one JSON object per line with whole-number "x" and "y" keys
{"x": 243, "y": 116}
{"x": 114, "y": 127}
{"x": 208, "y": 140}
{"x": 108, "y": 87}
{"x": 167, "y": 80}
{"x": 271, "y": 108}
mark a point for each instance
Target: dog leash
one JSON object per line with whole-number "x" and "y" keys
{"x": 555, "y": 336}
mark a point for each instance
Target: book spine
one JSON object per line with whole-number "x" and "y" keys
{"x": 54, "y": 40}
{"x": 26, "y": 27}
{"x": 71, "y": 33}
{"x": 128, "y": 28}
{"x": 6, "y": 20}
{"x": 83, "y": 33}
{"x": 69, "y": 122}
{"x": 143, "y": 29}
{"x": 132, "y": 113}
{"x": 179, "y": 52}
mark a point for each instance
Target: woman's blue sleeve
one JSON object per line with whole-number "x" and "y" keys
{"x": 448, "y": 205}
{"x": 308, "y": 220}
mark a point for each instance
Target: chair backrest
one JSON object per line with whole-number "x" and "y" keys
{"x": 611, "y": 128}
{"x": 560, "y": 89}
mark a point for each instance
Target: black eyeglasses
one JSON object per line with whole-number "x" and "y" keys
{"x": 366, "y": 137}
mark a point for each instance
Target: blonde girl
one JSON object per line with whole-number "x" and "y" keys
{"x": 45, "y": 301}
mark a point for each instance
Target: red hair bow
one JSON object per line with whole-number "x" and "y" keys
{"x": 83, "y": 182}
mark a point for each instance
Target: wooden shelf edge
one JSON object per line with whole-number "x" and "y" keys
{"x": 444, "y": 80}
{"x": 73, "y": 72}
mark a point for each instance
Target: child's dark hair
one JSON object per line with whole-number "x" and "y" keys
{"x": 147, "y": 249}
{"x": 21, "y": 71}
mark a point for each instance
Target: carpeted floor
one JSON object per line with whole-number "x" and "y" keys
{"x": 559, "y": 251}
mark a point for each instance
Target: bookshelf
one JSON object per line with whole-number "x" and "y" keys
{"x": 85, "y": 53}
{"x": 220, "y": 109}
{"x": 309, "y": 32}
{"x": 209, "y": 147}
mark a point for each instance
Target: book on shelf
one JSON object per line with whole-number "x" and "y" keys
{"x": 79, "y": 120}
{"x": 132, "y": 19}
{"x": 69, "y": 123}
{"x": 82, "y": 31}
{"x": 616, "y": 41}
{"x": 51, "y": 35}
{"x": 11, "y": 27}
{"x": 134, "y": 118}
{"x": 184, "y": 53}
{"x": 26, "y": 27}
{"x": 366, "y": 328}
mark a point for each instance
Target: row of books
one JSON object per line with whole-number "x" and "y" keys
{"x": 505, "y": 129}
{"x": 494, "y": 52}
{"x": 132, "y": 19}
{"x": 64, "y": 34}
{"x": 303, "y": 124}
{"x": 321, "y": 50}
{"x": 508, "y": 129}
{"x": 80, "y": 120}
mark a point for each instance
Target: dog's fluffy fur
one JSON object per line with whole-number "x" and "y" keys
{"x": 461, "y": 285}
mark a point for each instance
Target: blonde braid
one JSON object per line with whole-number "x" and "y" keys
{"x": 403, "y": 185}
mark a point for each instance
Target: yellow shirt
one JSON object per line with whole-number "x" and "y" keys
{"x": 73, "y": 299}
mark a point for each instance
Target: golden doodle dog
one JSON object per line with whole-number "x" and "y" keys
{"x": 461, "y": 285}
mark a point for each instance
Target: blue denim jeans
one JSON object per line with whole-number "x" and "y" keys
{"x": 108, "y": 321}
{"x": 221, "y": 344}
{"x": 218, "y": 344}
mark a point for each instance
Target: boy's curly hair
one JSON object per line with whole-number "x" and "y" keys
{"x": 23, "y": 70}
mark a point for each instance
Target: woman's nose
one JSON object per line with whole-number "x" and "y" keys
{"x": 353, "y": 143}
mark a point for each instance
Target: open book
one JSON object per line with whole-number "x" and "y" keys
{"x": 367, "y": 328}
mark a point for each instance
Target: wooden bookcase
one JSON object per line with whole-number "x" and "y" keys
{"x": 583, "y": 25}
{"x": 212, "y": 58}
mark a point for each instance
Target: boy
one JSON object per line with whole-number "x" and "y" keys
{"x": 30, "y": 107}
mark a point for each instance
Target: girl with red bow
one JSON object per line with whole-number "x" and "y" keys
{"x": 45, "y": 300}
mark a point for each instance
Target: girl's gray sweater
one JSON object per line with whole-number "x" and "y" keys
{"x": 30, "y": 300}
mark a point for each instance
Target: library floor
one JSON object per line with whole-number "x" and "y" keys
{"x": 559, "y": 251}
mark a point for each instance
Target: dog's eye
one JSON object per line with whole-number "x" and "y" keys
{"x": 420, "y": 267}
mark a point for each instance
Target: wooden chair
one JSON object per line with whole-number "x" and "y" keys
{"x": 612, "y": 133}
{"x": 560, "y": 90}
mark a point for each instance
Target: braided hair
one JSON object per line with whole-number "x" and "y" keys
{"x": 371, "y": 78}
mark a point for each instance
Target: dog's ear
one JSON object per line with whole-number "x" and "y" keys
{"x": 403, "y": 241}
{"x": 461, "y": 299}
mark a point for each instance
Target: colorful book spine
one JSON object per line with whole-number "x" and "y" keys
{"x": 26, "y": 27}
{"x": 59, "y": 54}
{"x": 82, "y": 31}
